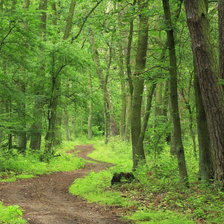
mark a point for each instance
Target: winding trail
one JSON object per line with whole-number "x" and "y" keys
{"x": 46, "y": 200}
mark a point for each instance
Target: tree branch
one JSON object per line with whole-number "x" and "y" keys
{"x": 5, "y": 37}
{"x": 149, "y": 69}
{"x": 85, "y": 20}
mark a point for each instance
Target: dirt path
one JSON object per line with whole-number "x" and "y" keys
{"x": 46, "y": 200}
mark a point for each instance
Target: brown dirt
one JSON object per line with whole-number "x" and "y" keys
{"x": 46, "y": 200}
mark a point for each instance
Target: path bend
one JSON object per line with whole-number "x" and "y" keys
{"x": 46, "y": 200}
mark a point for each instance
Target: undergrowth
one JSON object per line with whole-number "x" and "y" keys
{"x": 11, "y": 215}
{"x": 15, "y": 165}
{"x": 159, "y": 217}
{"x": 157, "y": 196}
{"x": 93, "y": 188}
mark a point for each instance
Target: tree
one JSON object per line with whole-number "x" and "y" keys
{"x": 178, "y": 145}
{"x": 208, "y": 75}
{"x": 221, "y": 36}
{"x": 36, "y": 128}
{"x": 138, "y": 84}
{"x": 206, "y": 171}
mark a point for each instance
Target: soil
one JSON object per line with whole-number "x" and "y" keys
{"x": 46, "y": 200}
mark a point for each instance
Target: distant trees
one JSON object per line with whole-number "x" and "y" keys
{"x": 36, "y": 43}
{"x": 128, "y": 68}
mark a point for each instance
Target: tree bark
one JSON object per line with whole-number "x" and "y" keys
{"x": 138, "y": 84}
{"x": 9, "y": 112}
{"x": 177, "y": 134}
{"x": 207, "y": 70}
{"x": 191, "y": 119}
{"x": 128, "y": 55}
{"x": 67, "y": 127}
{"x": 67, "y": 32}
{"x": 22, "y": 136}
{"x": 221, "y": 37}
{"x": 146, "y": 117}
{"x": 53, "y": 107}
{"x": 206, "y": 171}
{"x": 36, "y": 127}
{"x": 129, "y": 77}
{"x": 123, "y": 107}
{"x": 70, "y": 17}
{"x": 43, "y": 25}
{"x": 90, "y": 116}
{"x": 122, "y": 79}
{"x": 57, "y": 140}
{"x": 54, "y": 136}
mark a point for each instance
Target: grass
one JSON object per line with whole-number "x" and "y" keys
{"x": 11, "y": 215}
{"x": 93, "y": 186}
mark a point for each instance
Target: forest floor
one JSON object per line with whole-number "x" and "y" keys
{"x": 45, "y": 199}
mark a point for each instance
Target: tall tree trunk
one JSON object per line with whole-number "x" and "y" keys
{"x": 128, "y": 119}
{"x": 221, "y": 37}
{"x": 177, "y": 134}
{"x": 107, "y": 103}
{"x": 54, "y": 136}
{"x": 159, "y": 99}
{"x": 206, "y": 170}
{"x": 90, "y": 120}
{"x": 43, "y": 24}
{"x": 128, "y": 54}
{"x": 55, "y": 112}
{"x": 70, "y": 17}
{"x": 123, "y": 107}
{"x": 36, "y": 128}
{"x": 9, "y": 112}
{"x": 53, "y": 106}
{"x": 67, "y": 127}
{"x": 122, "y": 79}
{"x": 58, "y": 129}
{"x": 22, "y": 137}
{"x": 191, "y": 119}
{"x": 67, "y": 32}
{"x": 129, "y": 77}
{"x": 141, "y": 138}
{"x": 138, "y": 84}
{"x": 207, "y": 70}
{"x": 113, "y": 129}
{"x": 90, "y": 116}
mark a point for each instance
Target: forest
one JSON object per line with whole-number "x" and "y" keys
{"x": 112, "y": 111}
